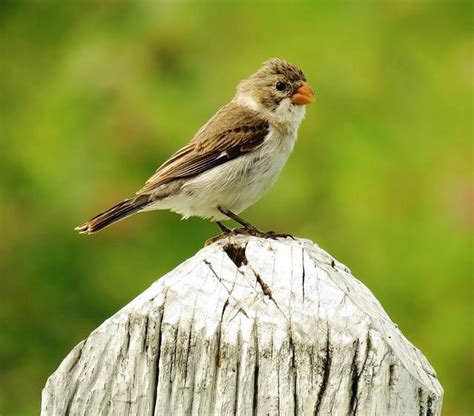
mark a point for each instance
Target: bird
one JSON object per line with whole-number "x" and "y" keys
{"x": 232, "y": 159}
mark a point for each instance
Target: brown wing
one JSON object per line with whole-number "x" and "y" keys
{"x": 232, "y": 132}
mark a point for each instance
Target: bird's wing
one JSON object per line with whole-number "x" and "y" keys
{"x": 232, "y": 132}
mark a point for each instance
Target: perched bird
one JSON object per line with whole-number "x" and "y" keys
{"x": 233, "y": 159}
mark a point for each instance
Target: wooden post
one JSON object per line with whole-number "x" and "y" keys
{"x": 248, "y": 326}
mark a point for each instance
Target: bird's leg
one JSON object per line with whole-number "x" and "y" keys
{"x": 246, "y": 228}
{"x": 223, "y": 228}
{"x": 225, "y": 231}
{"x": 236, "y": 218}
{"x": 249, "y": 228}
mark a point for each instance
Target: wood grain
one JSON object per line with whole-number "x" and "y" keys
{"x": 248, "y": 326}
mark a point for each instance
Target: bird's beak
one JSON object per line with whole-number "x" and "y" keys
{"x": 303, "y": 95}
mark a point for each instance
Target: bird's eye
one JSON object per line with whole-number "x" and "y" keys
{"x": 280, "y": 86}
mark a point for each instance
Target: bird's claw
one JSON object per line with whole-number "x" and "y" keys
{"x": 274, "y": 235}
{"x": 252, "y": 231}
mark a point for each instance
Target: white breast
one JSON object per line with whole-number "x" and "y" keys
{"x": 239, "y": 183}
{"x": 234, "y": 185}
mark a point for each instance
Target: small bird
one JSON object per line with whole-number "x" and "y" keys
{"x": 232, "y": 159}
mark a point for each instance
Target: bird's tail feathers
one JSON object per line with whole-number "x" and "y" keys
{"x": 116, "y": 213}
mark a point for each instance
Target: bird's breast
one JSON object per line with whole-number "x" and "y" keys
{"x": 236, "y": 184}
{"x": 260, "y": 169}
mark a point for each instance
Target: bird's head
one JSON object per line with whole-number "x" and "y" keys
{"x": 278, "y": 88}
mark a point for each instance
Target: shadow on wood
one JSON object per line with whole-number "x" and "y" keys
{"x": 248, "y": 326}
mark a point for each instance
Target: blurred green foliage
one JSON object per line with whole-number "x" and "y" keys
{"x": 96, "y": 94}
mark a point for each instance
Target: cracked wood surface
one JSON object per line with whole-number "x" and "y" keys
{"x": 248, "y": 326}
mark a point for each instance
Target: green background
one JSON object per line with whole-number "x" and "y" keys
{"x": 96, "y": 94}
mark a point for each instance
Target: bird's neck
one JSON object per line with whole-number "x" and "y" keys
{"x": 289, "y": 115}
{"x": 286, "y": 118}
{"x": 248, "y": 101}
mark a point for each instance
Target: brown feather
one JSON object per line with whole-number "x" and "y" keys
{"x": 233, "y": 131}
{"x": 116, "y": 213}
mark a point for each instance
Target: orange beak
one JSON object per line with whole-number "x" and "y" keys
{"x": 303, "y": 95}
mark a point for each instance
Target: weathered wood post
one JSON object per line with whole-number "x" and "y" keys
{"x": 248, "y": 326}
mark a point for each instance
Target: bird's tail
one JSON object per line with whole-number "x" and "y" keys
{"x": 116, "y": 213}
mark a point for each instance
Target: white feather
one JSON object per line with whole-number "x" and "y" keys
{"x": 248, "y": 101}
{"x": 239, "y": 183}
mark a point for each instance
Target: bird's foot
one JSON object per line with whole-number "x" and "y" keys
{"x": 212, "y": 240}
{"x": 252, "y": 231}
{"x": 255, "y": 232}
{"x": 274, "y": 235}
